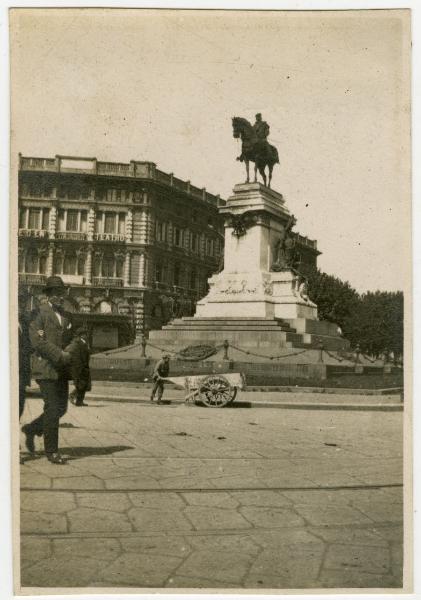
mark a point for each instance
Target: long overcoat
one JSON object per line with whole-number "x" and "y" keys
{"x": 47, "y": 362}
{"x": 79, "y": 364}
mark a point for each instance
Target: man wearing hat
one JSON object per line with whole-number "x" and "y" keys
{"x": 160, "y": 372}
{"x": 79, "y": 366}
{"x": 261, "y": 130}
{"x": 49, "y": 332}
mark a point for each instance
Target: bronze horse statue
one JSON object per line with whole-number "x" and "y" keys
{"x": 258, "y": 151}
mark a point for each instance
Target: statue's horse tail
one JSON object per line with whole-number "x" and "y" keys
{"x": 274, "y": 153}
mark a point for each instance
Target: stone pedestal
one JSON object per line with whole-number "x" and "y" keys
{"x": 247, "y": 287}
{"x": 248, "y": 303}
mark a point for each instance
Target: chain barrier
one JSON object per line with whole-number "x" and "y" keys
{"x": 338, "y": 358}
{"x": 269, "y": 357}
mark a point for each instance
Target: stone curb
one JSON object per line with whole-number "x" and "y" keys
{"x": 174, "y": 402}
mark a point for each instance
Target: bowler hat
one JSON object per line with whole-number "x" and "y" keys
{"x": 54, "y": 283}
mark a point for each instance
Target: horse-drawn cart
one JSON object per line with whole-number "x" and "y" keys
{"x": 215, "y": 390}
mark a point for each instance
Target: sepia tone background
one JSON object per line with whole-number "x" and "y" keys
{"x": 163, "y": 87}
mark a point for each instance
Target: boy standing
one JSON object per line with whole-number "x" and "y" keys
{"x": 161, "y": 371}
{"x": 79, "y": 366}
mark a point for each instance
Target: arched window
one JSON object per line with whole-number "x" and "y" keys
{"x": 119, "y": 266}
{"x": 43, "y": 264}
{"x": 96, "y": 267}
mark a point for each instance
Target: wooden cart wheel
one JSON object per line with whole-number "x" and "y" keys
{"x": 215, "y": 391}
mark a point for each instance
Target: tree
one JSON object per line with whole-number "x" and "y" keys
{"x": 373, "y": 320}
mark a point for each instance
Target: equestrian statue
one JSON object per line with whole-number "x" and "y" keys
{"x": 255, "y": 147}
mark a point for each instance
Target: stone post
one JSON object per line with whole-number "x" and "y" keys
{"x": 88, "y": 266}
{"x": 126, "y": 272}
{"x": 50, "y": 260}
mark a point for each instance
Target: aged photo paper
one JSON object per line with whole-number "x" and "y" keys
{"x": 211, "y": 300}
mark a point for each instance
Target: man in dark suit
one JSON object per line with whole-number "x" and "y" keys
{"x": 24, "y": 348}
{"x": 79, "y": 366}
{"x": 49, "y": 332}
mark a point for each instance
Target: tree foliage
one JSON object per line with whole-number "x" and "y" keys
{"x": 373, "y": 320}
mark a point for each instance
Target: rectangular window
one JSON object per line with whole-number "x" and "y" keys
{"x": 98, "y": 222}
{"x": 61, "y": 220}
{"x": 72, "y": 220}
{"x": 110, "y": 223}
{"x": 34, "y": 218}
{"x": 194, "y": 242}
{"x": 83, "y": 221}
{"x": 110, "y": 195}
{"x": 158, "y": 272}
{"x": 45, "y": 218}
{"x": 22, "y": 218}
{"x": 74, "y": 193}
{"x": 118, "y": 195}
{"x": 121, "y": 223}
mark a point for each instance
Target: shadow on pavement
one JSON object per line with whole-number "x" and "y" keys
{"x": 84, "y": 451}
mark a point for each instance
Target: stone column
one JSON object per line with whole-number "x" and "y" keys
{"x": 142, "y": 270}
{"x": 91, "y": 224}
{"x": 50, "y": 260}
{"x": 88, "y": 266}
{"x": 129, "y": 226}
{"x": 126, "y": 271}
{"x": 52, "y": 223}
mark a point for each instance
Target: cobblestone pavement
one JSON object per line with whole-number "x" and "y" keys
{"x": 188, "y": 497}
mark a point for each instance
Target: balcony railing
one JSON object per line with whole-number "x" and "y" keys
{"x": 71, "y": 235}
{"x": 134, "y": 169}
{"x": 32, "y": 278}
{"x": 36, "y": 233}
{"x": 110, "y": 237}
{"x": 108, "y": 281}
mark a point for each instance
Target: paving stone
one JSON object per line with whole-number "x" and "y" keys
{"x": 88, "y": 482}
{"x": 51, "y": 502}
{"x": 296, "y": 565}
{"x": 139, "y": 570}
{"x": 360, "y": 558}
{"x": 31, "y": 479}
{"x": 271, "y": 517}
{"x": 261, "y": 498}
{"x": 99, "y": 548}
{"x": 34, "y": 548}
{"x": 349, "y": 579}
{"x": 286, "y": 537}
{"x": 349, "y": 535}
{"x": 105, "y": 501}
{"x": 131, "y": 482}
{"x": 168, "y": 545}
{"x": 224, "y": 566}
{"x": 158, "y": 500}
{"x": 224, "y": 543}
{"x": 61, "y": 572}
{"x": 319, "y": 514}
{"x": 205, "y": 517}
{"x": 217, "y": 499}
{"x": 38, "y": 522}
{"x": 391, "y": 532}
{"x": 380, "y": 511}
{"x": 95, "y": 520}
{"x": 396, "y": 551}
{"x": 151, "y": 519}
{"x": 198, "y": 583}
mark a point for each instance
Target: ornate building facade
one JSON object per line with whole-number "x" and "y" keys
{"x": 128, "y": 239}
{"x": 135, "y": 245}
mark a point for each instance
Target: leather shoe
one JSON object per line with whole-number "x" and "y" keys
{"x": 81, "y": 404}
{"x": 56, "y": 458}
{"x": 29, "y": 439}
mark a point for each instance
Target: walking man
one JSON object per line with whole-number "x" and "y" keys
{"x": 48, "y": 332}
{"x": 161, "y": 371}
{"x": 79, "y": 366}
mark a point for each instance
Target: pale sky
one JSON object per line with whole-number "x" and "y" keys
{"x": 163, "y": 86}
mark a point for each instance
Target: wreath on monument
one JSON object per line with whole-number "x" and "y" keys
{"x": 201, "y": 352}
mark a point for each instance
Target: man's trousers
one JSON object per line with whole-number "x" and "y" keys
{"x": 55, "y": 394}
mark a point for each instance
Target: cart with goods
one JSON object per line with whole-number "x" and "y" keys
{"x": 215, "y": 391}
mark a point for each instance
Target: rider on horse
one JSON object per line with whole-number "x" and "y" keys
{"x": 261, "y": 129}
